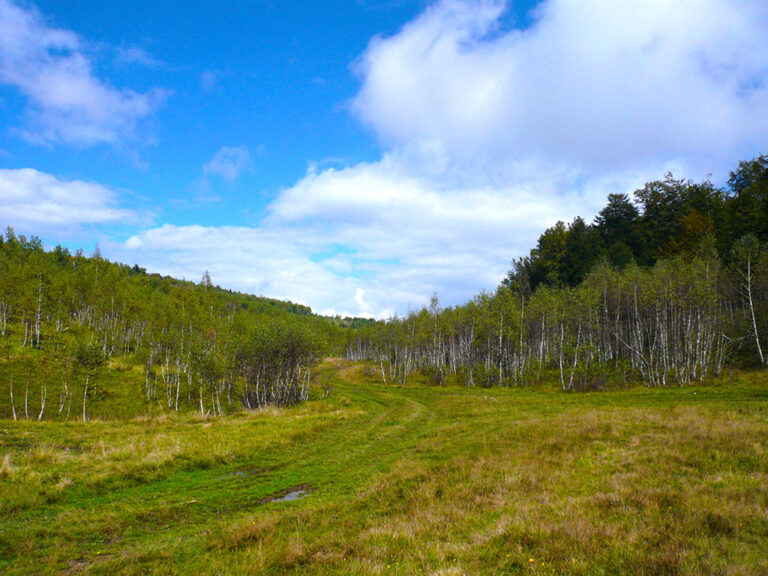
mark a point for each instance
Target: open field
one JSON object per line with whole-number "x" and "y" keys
{"x": 401, "y": 480}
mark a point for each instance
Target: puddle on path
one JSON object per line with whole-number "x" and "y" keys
{"x": 288, "y": 494}
{"x": 295, "y": 495}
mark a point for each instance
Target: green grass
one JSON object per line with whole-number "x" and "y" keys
{"x": 402, "y": 480}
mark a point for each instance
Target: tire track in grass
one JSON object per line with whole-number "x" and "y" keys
{"x": 172, "y": 513}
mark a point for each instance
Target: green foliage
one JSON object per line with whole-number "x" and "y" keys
{"x": 90, "y": 357}
{"x": 683, "y": 254}
{"x": 619, "y": 224}
{"x": 276, "y": 361}
{"x": 63, "y": 315}
{"x": 668, "y": 218}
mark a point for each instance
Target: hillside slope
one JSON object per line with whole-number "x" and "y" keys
{"x": 84, "y": 337}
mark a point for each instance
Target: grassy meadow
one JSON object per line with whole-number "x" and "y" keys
{"x": 401, "y": 480}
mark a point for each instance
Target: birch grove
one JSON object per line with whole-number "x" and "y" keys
{"x": 68, "y": 322}
{"x": 667, "y": 325}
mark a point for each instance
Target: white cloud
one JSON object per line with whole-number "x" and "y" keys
{"x": 371, "y": 239}
{"x": 229, "y": 163}
{"x": 267, "y": 261}
{"x": 491, "y": 136}
{"x": 67, "y": 102}
{"x": 42, "y": 203}
{"x": 593, "y": 83}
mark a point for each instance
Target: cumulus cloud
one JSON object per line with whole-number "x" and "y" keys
{"x": 229, "y": 163}
{"x": 67, "y": 102}
{"x": 373, "y": 239}
{"x": 595, "y": 84}
{"x": 43, "y": 203}
{"x": 268, "y": 261}
{"x": 492, "y": 135}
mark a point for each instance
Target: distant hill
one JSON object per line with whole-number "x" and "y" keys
{"x": 68, "y": 322}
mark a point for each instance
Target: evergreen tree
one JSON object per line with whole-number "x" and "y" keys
{"x": 619, "y": 227}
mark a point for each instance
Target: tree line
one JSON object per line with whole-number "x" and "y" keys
{"x": 666, "y": 289}
{"x": 68, "y": 322}
{"x": 664, "y": 219}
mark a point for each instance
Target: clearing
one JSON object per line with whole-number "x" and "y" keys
{"x": 373, "y": 479}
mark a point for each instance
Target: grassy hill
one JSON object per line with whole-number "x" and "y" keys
{"x": 80, "y": 330}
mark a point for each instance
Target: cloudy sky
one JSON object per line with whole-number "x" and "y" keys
{"x": 358, "y": 156}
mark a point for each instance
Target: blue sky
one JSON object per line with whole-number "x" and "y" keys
{"x": 270, "y": 77}
{"x": 357, "y": 156}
